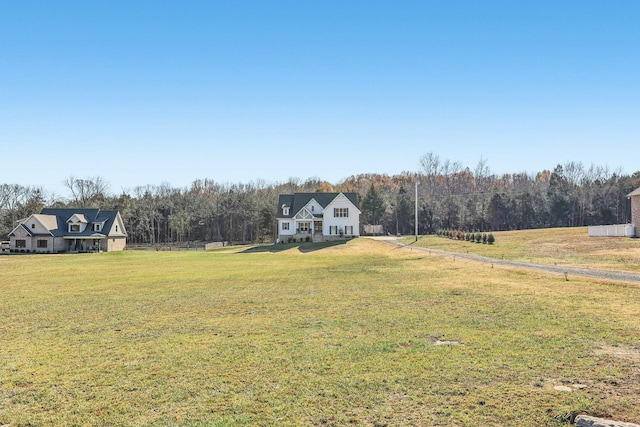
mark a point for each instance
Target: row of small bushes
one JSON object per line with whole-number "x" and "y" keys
{"x": 468, "y": 236}
{"x": 293, "y": 240}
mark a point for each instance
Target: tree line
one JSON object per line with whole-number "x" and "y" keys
{"x": 450, "y": 196}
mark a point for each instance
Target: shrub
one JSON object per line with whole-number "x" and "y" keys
{"x": 307, "y": 239}
{"x": 484, "y": 238}
{"x": 490, "y": 239}
{"x": 478, "y": 237}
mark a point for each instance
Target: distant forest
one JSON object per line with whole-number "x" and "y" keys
{"x": 450, "y": 196}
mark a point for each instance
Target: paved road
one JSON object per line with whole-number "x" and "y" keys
{"x": 617, "y": 276}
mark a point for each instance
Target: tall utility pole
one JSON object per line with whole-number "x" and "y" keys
{"x": 416, "y": 221}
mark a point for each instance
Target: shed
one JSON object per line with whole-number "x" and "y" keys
{"x": 635, "y": 210}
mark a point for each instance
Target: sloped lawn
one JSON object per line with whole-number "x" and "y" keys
{"x": 352, "y": 334}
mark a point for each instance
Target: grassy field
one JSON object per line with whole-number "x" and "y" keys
{"x": 561, "y": 246}
{"x": 349, "y": 334}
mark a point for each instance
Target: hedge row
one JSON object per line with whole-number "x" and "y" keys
{"x": 468, "y": 236}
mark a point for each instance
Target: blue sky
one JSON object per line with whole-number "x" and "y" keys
{"x": 147, "y": 92}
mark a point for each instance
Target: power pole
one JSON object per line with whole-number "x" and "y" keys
{"x": 416, "y": 209}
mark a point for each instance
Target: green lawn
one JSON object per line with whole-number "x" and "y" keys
{"x": 341, "y": 334}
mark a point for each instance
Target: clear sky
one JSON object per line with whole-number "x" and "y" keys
{"x": 145, "y": 92}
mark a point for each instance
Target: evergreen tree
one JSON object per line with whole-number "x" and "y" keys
{"x": 373, "y": 206}
{"x": 403, "y": 212}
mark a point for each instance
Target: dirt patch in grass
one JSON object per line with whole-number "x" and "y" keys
{"x": 620, "y": 393}
{"x": 622, "y": 352}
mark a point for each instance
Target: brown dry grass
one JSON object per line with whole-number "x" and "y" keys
{"x": 308, "y": 335}
{"x": 554, "y": 246}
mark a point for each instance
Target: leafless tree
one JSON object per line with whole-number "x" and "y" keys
{"x": 89, "y": 192}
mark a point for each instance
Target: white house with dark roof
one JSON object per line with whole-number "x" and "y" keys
{"x": 318, "y": 217}
{"x": 69, "y": 230}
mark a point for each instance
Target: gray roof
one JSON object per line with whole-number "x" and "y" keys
{"x": 299, "y": 200}
{"x": 106, "y": 218}
{"x": 635, "y": 192}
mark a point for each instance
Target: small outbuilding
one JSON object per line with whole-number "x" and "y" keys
{"x": 635, "y": 210}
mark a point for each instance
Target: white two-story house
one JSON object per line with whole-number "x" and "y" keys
{"x": 318, "y": 217}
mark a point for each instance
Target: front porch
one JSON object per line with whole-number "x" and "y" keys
{"x": 307, "y": 230}
{"x": 79, "y": 244}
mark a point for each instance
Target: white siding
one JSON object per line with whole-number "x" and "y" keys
{"x": 353, "y": 220}
{"x": 313, "y": 207}
{"x": 290, "y": 232}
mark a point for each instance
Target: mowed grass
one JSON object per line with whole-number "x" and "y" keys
{"x": 312, "y": 335}
{"x": 561, "y": 246}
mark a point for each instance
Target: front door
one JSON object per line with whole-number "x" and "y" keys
{"x": 317, "y": 227}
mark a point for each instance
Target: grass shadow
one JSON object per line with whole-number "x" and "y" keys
{"x": 302, "y": 247}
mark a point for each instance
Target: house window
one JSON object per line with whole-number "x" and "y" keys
{"x": 96, "y": 227}
{"x": 348, "y": 229}
{"x": 74, "y": 228}
{"x": 21, "y": 243}
{"x": 116, "y": 228}
{"x": 313, "y": 208}
{"x": 341, "y": 212}
{"x": 42, "y": 243}
{"x": 33, "y": 226}
{"x": 333, "y": 229}
{"x": 303, "y": 227}
{"x": 285, "y": 225}
{"x": 285, "y": 211}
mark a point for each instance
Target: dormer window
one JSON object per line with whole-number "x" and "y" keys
{"x": 77, "y": 223}
{"x": 285, "y": 210}
{"x": 96, "y": 227}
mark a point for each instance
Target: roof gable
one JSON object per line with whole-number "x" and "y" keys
{"x": 78, "y": 217}
{"x": 635, "y": 192}
{"x": 48, "y": 221}
{"x": 20, "y": 231}
{"x": 34, "y": 225}
{"x": 109, "y": 221}
{"x": 113, "y": 224}
{"x": 296, "y": 202}
{"x": 303, "y": 214}
{"x": 341, "y": 198}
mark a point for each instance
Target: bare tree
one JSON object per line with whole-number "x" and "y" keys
{"x": 90, "y": 192}
{"x": 430, "y": 164}
{"x": 17, "y": 202}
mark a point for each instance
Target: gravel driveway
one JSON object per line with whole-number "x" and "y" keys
{"x": 617, "y": 276}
